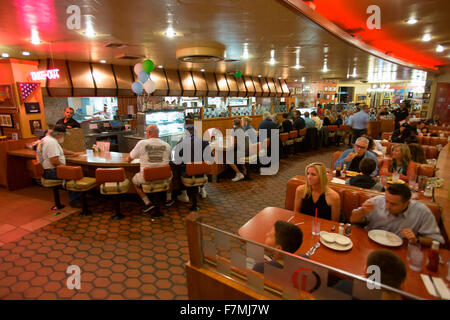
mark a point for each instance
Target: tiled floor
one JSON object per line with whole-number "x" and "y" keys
{"x": 134, "y": 258}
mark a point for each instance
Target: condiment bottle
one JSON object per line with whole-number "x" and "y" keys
{"x": 341, "y": 228}
{"x": 433, "y": 257}
{"x": 344, "y": 170}
{"x": 348, "y": 229}
{"x": 338, "y": 171}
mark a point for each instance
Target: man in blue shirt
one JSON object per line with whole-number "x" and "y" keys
{"x": 299, "y": 122}
{"x": 267, "y": 124}
{"x": 309, "y": 123}
{"x": 359, "y": 122}
{"x": 352, "y": 157}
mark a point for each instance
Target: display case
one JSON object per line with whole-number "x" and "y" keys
{"x": 259, "y": 109}
{"x": 241, "y": 111}
{"x": 282, "y": 108}
{"x": 171, "y": 124}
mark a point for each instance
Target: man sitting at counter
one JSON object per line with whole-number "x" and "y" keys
{"x": 50, "y": 154}
{"x": 150, "y": 152}
{"x": 397, "y": 213}
{"x": 68, "y": 121}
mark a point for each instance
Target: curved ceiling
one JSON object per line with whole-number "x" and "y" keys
{"x": 395, "y": 36}
{"x": 137, "y": 29}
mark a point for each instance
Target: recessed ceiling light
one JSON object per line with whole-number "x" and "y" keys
{"x": 170, "y": 33}
{"x": 202, "y": 70}
{"x": 102, "y": 61}
{"x": 279, "y": 78}
{"x": 25, "y": 53}
{"x": 426, "y": 37}
{"x": 411, "y": 21}
{"x": 259, "y": 76}
{"x": 160, "y": 67}
{"x": 35, "y": 36}
{"x": 296, "y": 80}
{"x": 5, "y": 55}
{"x": 439, "y": 48}
{"x": 303, "y": 79}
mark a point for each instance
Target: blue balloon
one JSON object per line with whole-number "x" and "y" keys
{"x": 143, "y": 76}
{"x": 137, "y": 87}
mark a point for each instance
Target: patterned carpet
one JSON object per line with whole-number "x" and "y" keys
{"x": 134, "y": 258}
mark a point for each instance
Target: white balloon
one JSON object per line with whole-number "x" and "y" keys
{"x": 149, "y": 86}
{"x": 138, "y": 68}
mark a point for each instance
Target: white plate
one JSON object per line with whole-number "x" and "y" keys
{"x": 385, "y": 238}
{"x": 335, "y": 245}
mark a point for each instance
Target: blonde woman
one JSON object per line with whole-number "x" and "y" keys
{"x": 316, "y": 194}
{"x": 400, "y": 163}
{"x": 328, "y": 118}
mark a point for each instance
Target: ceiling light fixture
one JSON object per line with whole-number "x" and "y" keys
{"x": 439, "y": 48}
{"x": 89, "y": 31}
{"x": 296, "y": 80}
{"x": 25, "y": 53}
{"x": 170, "y": 33}
{"x": 160, "y": 66}
{"x": 303, "y": 79}
{"x": 279, "y": 78}
{"x": 35, "y": 36}
{"x": 202, "y": 70}
{"x": 354, "y": 72}
{"x": 102, "y": 61}
{"x": 426, "y": 37}
{"x": 411, "y": 21}
{"x": 5, "y": 55}
{"x": 272, "y": 57}
{"x": 259, "y": 76}
{"x": 245, "y": 53}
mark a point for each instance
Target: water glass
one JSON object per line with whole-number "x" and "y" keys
{"x": 395, "y": 177}
{"x": 415, "y": 256}
{"x": 315, "y": 228}
{"x": 428, "y": 191}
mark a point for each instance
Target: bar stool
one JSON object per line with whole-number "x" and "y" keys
{"x": 113, "y": 182}
{"x": 74, "y": 180}
{"x": 38, "y": 172}
{"x": 252, "y": 158}
{"x": 158, "y": 179}
{"x": 332, "y": 132}
{"x": 196, "y": 176}
{"x": 300, "y": 137}
{"x": 292, "y": 136}
{"x": 284, "y": 137}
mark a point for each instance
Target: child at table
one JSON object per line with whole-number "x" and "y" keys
{"x": 364, "y": 180}
{"x": 283, "y": 236}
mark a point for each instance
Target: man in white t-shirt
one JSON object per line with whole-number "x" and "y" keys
{"x": 50, "y": 154}
{"x": 150, "y": 152}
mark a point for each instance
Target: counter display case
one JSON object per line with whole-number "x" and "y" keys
{"x": 261, "y": 109}
{"x": 210, "y": 113}
{"x": 241, "y": 111}
{"x": 280, "y": 108}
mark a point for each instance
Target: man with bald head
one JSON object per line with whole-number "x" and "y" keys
{"x": 151, "y": 152}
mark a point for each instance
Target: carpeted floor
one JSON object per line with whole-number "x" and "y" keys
{"x": 134, "y": 258}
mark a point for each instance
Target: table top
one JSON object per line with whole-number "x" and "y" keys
{"x": 442, "y": 195}
{"x": 352, "y": 261}
{"x": 90, "y": 158}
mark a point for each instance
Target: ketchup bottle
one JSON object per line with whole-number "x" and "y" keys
{"x": 433, "y": 257}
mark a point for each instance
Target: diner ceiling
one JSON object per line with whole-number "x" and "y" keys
{"x": 137, "y": 29}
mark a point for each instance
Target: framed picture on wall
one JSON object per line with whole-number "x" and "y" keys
{"x": 35, "y": 125}
{"x": 325, "y": 89}
{"x": 6, "y": 97}
{"x": 327, "y": 97}
{"x": 410, "y": 95}
{"x": 423, "y": 114}
{"x": 6, "y": 120}
{"x": 426, "y": 96}
{"x": 386, "y": 102}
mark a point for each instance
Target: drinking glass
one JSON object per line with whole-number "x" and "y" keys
{"x": 415, "y": 256}
{"x": 315, "y": 229}
{"x": 384, "y": 181}
{"x": 395, "y": 177}
{"x": 428, "y": 191}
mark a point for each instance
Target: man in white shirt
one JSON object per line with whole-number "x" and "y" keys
{"x": 105, "y": 114}
{"x": 397, "y": 213}
{"x": 150, "y": 152}
{"x": 50, "y": 154}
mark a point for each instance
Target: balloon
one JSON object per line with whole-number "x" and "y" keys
{"x": 238, "y": 74}
{"x": 148, "y": 66}
{"x": 136, "y": 87}
{"x": 150, "y": 86}
{"x": 143, "y": 77}
{"x": 138, "y": 68}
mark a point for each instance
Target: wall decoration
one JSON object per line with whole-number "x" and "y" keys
{"x": 426, "y": 96}
{"x": 35, "y": 125}
{"x": 426, "y": 101}
{"x": 423, "y": 114}
{"x": 298, "y": 90}
{"x": 410, "y": 95}
{"x": 27, "y": 88}
{"x": 327, "y": 97}
{"x": 32, "y": 107}
{"x": 6, "y": 97}
{"x": 6, "y": 120}
{"x": 386, "y": 102}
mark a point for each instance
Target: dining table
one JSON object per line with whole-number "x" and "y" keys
{"x": 352, "y": 260}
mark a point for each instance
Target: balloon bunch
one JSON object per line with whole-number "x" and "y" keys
{"x": 142, "y": 70}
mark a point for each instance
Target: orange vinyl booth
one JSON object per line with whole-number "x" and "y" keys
{"x": 354, "y": 197}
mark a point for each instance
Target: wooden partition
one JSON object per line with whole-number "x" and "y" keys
{"x": 10, "y": 145}
{"x": 373, "y": 129}
{"x": 387, "y": 125}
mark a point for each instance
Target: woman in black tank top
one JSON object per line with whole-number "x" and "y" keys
{"x": 316, "y": 194}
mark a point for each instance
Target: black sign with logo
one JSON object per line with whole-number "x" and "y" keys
{"x": 32, "y": 107}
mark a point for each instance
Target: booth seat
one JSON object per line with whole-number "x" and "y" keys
{"x": 424, "y": 140}
{"x": 354, "y": 197}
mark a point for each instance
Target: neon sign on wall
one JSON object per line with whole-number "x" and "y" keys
{"x": 45, "y": 74}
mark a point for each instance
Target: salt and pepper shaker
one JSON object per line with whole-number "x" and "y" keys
{"x": 348, "y": 229}
{"x": 341, "y": 228}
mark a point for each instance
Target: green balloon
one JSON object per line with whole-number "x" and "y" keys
{"x": 238, "y": 74}
{"x": 148, "y": 66}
